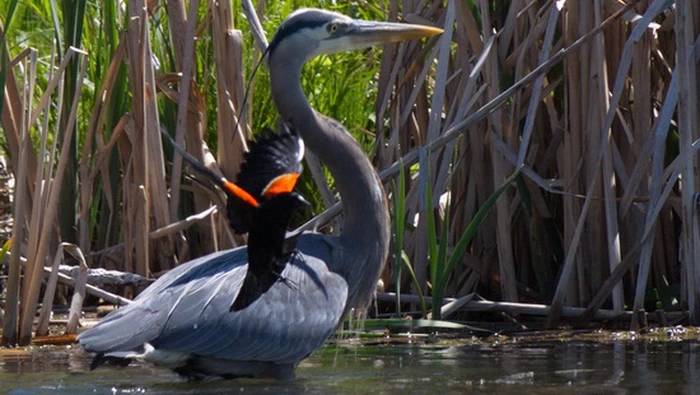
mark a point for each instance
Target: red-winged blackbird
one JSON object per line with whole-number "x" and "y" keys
{"x": 260, "y": 203}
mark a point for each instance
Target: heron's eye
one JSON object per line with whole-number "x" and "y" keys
{"x": 332, "y": 28}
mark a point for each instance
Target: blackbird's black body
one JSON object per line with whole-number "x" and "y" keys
{"x": 267, "y": 250}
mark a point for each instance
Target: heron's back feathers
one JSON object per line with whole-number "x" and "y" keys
{"x": 187, "y": 310}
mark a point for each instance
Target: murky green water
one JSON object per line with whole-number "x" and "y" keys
{"x": 447, "y": 367}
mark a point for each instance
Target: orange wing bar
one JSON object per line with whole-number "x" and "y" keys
{"x": 240, "y": 193}
{"x": 282, "y": 184}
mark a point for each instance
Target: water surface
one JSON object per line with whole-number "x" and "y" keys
{"x": 501, "y": 366}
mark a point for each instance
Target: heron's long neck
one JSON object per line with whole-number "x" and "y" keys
{"x": 365, "y": 237}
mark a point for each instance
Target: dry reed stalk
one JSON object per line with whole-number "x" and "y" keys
{"x": 638, "y": 175}
{"x": 136, "y": 173}
{"x": 145, "y": 172}
{"x": 658, "y": 137}
{"x": 535, "y": 97}
{"x": 45, "y": 170}
{"x": 624, "y": 64}
{"x": 42, "y": 326}
{"x": 439, "y": 105}
{"x": 251, "y": 15}
{"x": 156, "y": 191}
{"x": 139, "y": 196}
{"x": 327, "y": 195}
{"x": 230, "y": 85}
{"x": 471, "y": 176}
{"x": 386, "y": 149}
{"x": 76, "y": 305}
{"x": 104, "y": 150}
{"x": 93, "y": 157}
{"x": 183, "y": 36}
{"x": 657, "y": 140}
{"x": 171, "y": 229}
{"x": 540, "y": 243}
{"x": 420, "y": 236}
{"x": 444, "y": 109}
{"x": 12, "y": 304}
{"x": 414, "y": 121}
{"x": 101, "y": 156}
{"x": 571, "y": 158}
{"x": 125, "y": 152}
{"x": 10, "y": 115}
{"x": 388, "y": 72}
{"x": 418, "y": 89}
{"x": 589, "y": 269}
{"x": 91, "y": 289}
{"x": 452, "y": 306}
{"x": 255, "y": 25}
{"x": 36, "y": 258}
{"x": 511, "y": 308}
{"x": 109, "y": 116}
{"x": 184, "y": 50}
{"x": 438, "y": 99}
{"x": 26, "y": 124}
{"x": 496, "y": 131}
{"x": 609, "y": 180}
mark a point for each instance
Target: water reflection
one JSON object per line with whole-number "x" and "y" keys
{"x": 639, "y": 367}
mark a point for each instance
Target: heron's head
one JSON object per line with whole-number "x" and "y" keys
{"x": 308, "y": 32}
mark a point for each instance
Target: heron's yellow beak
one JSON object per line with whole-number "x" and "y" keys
{"x": 369, "y": 33}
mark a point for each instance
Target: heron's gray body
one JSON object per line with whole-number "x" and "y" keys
{"x": 183, "y": 319}
{"x": 187, "y": 311}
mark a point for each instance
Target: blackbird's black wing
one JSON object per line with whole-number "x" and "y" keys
{"x": 272, "y": 167}
{"x": 271, "y": 156}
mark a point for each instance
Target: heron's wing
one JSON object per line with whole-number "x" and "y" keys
{"x": 284, "y": 325}
{"x": 189, "y": 311}
{"x": 141, "y": 321}
{"x": 273, "y": 163}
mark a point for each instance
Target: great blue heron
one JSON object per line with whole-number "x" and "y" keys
{"x": 182, "y": 321}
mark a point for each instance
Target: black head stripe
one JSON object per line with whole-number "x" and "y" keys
{"x": 309, "y": 19}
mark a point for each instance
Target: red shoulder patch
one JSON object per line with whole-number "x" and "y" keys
{"x": 282, "y": 184}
